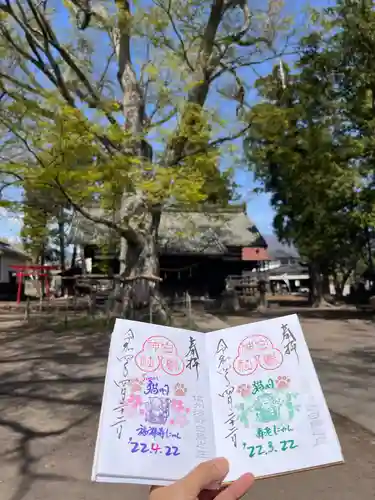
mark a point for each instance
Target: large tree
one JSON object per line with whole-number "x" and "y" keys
{"x": 352, "y": 42}
{"x": 86, "y": 104}
{"x": 299, "y": 147}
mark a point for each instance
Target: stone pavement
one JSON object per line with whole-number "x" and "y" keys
{"x": 51, "y": 384}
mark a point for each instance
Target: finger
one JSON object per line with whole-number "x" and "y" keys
{"x": 204, "y": 477}
{"x": 211, "y": 494}
{"x": 237, "y": 489}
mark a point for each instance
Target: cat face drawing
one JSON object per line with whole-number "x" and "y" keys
{"x": 157, "y": 410}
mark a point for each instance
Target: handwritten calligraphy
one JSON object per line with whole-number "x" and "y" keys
{"x": 155, "y": 448}
{"x": 123, "y": 410}
{"x": 261, "y": 449}
{"x": 154, "y": 389}
{"x": 192, "y": 356}
{"x": 223, "y": 369}
{"x": 266, "y": 432}
{"x": 289, "y": 341}
{"x": 160, "y": 432}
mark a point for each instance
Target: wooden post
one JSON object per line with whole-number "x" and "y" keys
{"x": 19, "y": 289}
{"x": 188, "y": 307}
{"x": 66, "y": 313}
{"x": 151, "y": 305}
{"x": 27, "y": 309}
{"x": 81, "y": 252}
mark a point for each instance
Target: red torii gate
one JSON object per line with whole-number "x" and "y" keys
{"x": 24, "y": 270}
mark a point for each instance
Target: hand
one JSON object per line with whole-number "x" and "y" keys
{"x": 205, "y": 483}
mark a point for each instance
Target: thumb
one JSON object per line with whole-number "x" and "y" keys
{"x": 207, "y": 475}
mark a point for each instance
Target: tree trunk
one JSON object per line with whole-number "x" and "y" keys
{"x": 339, "y": 288}
{"x": 325, "y": 285}
{"x": 61, "y": 225}
{"x": 82, "y": 259}
{"x": 140, "y": 298}
{"x": 340, "y": 280}
{"x": 316, "y": 285}
{"x": 369, "y": 251}
{"x": 74, "y": 256}
{"x": 139, "y": 266}
{"x": 141, "y": 257}
{"x": 42, "y": 263}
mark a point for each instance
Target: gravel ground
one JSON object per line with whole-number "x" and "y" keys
{"x": 50, "y": 391}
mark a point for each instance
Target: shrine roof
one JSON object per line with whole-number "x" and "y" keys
{"x": 209, "y": 229}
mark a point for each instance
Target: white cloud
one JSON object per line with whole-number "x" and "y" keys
{"x": 10, "y": 225}
{"x": 11, "y": 216}
{"x": 14, "y": 239}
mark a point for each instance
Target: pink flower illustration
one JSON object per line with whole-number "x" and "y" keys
{"x": 128, "y": 411}
{"x": 135, "y": 401}
{"x": 181, "y": 420}
{"x": 177, "y": 406}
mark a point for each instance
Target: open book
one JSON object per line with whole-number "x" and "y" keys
{"x": 174, "y": 398}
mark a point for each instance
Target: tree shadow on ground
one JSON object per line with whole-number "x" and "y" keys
{"x": 23, "y": 455}
{"x": 353, "y": 370}
{"x": 51, "y": 381}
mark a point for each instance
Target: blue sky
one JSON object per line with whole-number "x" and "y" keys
{"x": 258, "y": 205}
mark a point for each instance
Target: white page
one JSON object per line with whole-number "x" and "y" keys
{"x": 156, "y": 420}
{"x": 270, "y": 415}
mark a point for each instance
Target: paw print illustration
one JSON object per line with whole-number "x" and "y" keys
{"x": 282, "y": 382}
{"x": 244, "y": 390}
{"x": 180, "y": 390}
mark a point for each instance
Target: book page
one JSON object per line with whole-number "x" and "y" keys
{"x": 270, "y": 415}
{"x": 156, "y": 420}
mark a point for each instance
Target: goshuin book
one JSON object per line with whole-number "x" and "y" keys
{"x": 174, "y": 398}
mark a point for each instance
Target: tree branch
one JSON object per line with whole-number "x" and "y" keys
{"x": 202, "y": 75}
{"x": 105, "y": 71}
{"x": 55, "y": 77}
{"x": 243, "y": 5}
{"x": 176, "y": 32}
{"x": 128, "y": 233}
{"x": 14, "y": 174}
{"x": 20, "y": 84}
{"x": 50, "y": 39}
{"x": 215, "y": 143}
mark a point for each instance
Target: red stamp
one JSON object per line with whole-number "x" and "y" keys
{"x": 256, "y": 351}
{"x": 159, "y": 353}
